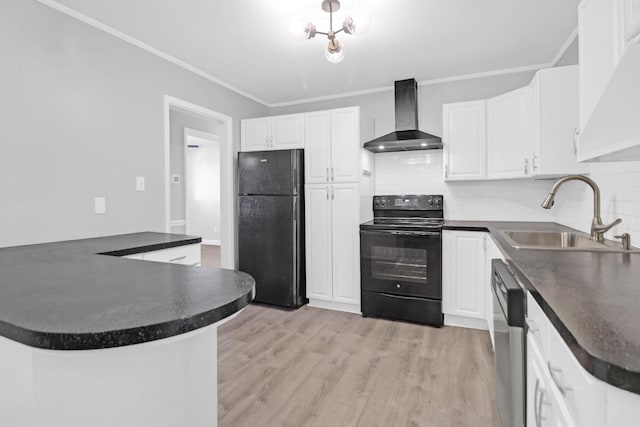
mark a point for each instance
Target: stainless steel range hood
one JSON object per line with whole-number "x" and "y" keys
{"x": 407, "y": 137}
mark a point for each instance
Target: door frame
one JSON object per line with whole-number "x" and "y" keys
{"x": 227, "y": 205}
{"x": 208, "y": 138}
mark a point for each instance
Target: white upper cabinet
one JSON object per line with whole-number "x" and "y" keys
{"x": 317, "y": 151}
{"x": 464, "y": 140}
{"x": 609, "y": 89}
{"x": 272, "y": 133}
{"x": 553, "y": 122}
{"x": 506, "y": 135}
{"x": 254, "y": 134}
{"x": 333, "y": 146}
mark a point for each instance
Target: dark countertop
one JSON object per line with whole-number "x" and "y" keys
{"x": 591, "y": 298}
{"x": 79, "y": 295}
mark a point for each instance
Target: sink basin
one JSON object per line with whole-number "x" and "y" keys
{"x": 559, "y": 240}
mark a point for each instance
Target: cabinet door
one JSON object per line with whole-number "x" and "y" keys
{"x": 507, "y": 154}
{"x": 254, "y": 134}
{"x": 539, "y": 410}
{"x": 318, "y": 242}
{"x": 345, "y": 145}
{"x": 554, "y": 121}
{"x": 345, "y": 238}
{"x": 317, "y": 147}
{"x": 464, "y": 140}
{"x": 464, "y": 274}
{"x": 287, "y": 131}
{"x": 596, "y": 25}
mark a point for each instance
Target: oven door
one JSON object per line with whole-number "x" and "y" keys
{"x": 402, "y": 262}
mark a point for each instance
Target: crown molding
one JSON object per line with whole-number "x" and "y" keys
{"x": 567, "y": 44}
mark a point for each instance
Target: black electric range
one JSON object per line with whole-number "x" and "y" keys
{"x": 401, "y": 259}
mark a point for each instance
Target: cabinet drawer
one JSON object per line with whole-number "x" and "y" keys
{"x": 188, "y": 255}
{"x": 582, "y": 394}
{"x": 538, "y": 326}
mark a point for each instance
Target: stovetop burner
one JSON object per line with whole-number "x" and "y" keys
{"x": 406, "y": 212}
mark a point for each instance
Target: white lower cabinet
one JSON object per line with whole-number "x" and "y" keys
{"x": 464, "y": 272}
{"x": 333, "y": 246}
{"x": 186, "y": 255}
{"x": 572, "y": 397}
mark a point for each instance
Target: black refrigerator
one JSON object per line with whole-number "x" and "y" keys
{"x": 271, "y": 225}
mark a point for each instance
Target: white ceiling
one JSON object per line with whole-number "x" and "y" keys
{"x": 246, "y": 43}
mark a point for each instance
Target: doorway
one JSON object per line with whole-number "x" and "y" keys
{"x": 202, "y": 192}
{"x": 199, "y": 190}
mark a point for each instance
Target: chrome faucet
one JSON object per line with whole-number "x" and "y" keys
{"x": 597, "y": 227}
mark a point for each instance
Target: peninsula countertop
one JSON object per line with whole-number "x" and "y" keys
{"x": 80, "y": 295}
{"x": 591, "y": 298}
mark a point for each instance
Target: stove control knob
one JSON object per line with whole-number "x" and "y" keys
{"x": 384, "y": 202}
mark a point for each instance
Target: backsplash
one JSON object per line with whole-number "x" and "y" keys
{"x": 620, "y": 191}
{"x": 421, "y": 172}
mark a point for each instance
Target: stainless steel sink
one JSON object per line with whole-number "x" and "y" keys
{"x": 559, "y": 240}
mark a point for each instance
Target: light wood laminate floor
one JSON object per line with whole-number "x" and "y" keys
{"x": 210, "y": 256}
{"x": 315, "y": 367}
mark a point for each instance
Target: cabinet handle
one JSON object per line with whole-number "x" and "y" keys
{"x": 177, "y": 259}
{"x": 552, "y": 371}
{"x": 332, "y": 179}
{"x": 327, "y": 193}
{"x": 526, "y": 166}
{"x": 540, "y": 403}
{"x": 446, "y": 171}
{"x": 327, "y": 174}
{"x": 575, "y": 141}
{"x": 533, "y": 162}
{"x": 333, "y": 193}
{"x": 535, "y": 403}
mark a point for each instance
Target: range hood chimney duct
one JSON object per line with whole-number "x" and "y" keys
{"x": 407, "y": 136}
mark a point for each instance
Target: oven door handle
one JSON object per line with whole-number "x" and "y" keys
{"x": 436, "y": 234}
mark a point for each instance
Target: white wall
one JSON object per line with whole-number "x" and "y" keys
{"x": 82, "y": 116}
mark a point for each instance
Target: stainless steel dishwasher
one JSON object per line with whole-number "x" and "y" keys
{"x": 510, "y": 351}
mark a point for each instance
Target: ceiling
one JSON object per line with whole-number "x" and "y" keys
{"x": 246, "y": 45}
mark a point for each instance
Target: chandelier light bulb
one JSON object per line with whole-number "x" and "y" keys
{"x": 301, "y": 30}
{"x": 334, "y": 52}
{"x": 361, "y": 23}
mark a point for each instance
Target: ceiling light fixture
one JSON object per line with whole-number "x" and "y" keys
{"x": 334, "y": 51}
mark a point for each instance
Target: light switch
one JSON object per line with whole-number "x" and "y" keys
{"x": 140, "y": 183}
{"x": 100, "y": 205}
{"x": 175, "y": 178}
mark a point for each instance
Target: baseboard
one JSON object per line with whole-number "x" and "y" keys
{"x": 465, "y": 322}
{"x": 337, "y": 306}
{"x": 211, "y": 242}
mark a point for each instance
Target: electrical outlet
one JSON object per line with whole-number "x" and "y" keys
{"x": 140, "y": 185}
{"x": 175, "y": 178}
